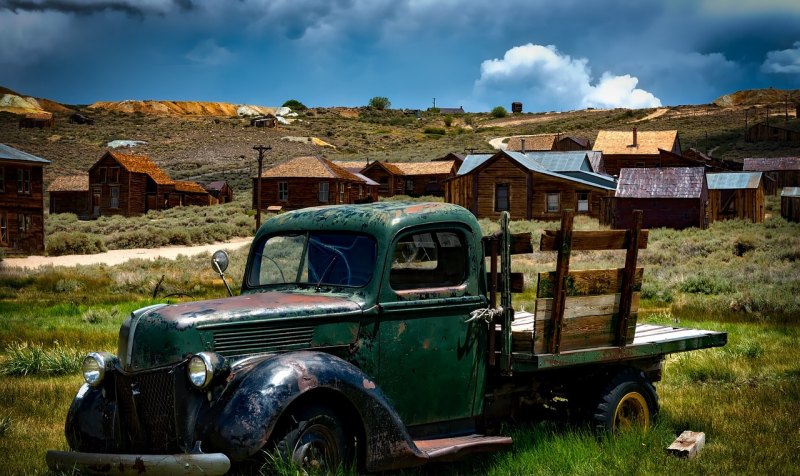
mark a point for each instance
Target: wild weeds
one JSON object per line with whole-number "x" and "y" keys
{"x": 31, "y": 359}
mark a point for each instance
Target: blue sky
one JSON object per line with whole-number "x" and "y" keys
{"x": 551, "y": 55}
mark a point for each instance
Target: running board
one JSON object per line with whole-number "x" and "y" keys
{"x": 451, "y": 449}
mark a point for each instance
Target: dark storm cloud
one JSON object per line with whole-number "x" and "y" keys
{"x": 135, "y": 9}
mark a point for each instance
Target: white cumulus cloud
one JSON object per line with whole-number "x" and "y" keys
{"x": 783, "y": 61}
{"x": 547, "y": 79}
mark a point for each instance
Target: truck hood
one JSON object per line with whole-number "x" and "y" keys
{"x": 163, "y": 335}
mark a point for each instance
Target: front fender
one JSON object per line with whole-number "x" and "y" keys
{"x": 90, "y": 421}
{"x": 242, "y": 420}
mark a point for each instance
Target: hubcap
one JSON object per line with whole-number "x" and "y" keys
{"x": 632, "y": 411}
{"x": 316, "y": 448}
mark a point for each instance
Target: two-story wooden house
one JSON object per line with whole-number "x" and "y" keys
{"x": 21, "y": 201}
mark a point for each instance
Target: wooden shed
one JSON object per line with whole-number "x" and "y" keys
{"x": 713, "y": 164}
{"x": 533, "y": 143}
{"x": 189, "y": 193}
{"x": 637, "y": 149}
{"x": 128, "y": 185}
{"x": 670, "y": 197}
{"x": 311, "y": 181}
{"x": 734, "y": 195}
{"x": 21, "y": 201}
{"x": 220, "y": 190}
{"x": 40, "y": 120}
{"x": 70, "y": 194}
{"x": 788, "y": 131}
{"x": 779, "y": 172}
{"x": 790, "y": 204}
{"x": 410, "y": 178}
{"x": 528, "y": 186}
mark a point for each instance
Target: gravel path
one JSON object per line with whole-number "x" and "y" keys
{"x": 115, "y": 257}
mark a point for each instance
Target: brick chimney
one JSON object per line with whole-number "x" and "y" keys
{"x": 635, "y": 144}
{"x": 523, "y": 145}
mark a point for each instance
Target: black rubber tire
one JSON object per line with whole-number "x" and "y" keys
{"x": 316, "y": 439}
{"x": 622, "y": 401}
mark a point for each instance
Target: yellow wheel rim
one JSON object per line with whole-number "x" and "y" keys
{"x": 632, "y": 412}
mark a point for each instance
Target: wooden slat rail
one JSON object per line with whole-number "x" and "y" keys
{"x": 517, "y": 282}
{"x": 593, "y": 240}
{"x": 597, "y": 299}
{"x": 520, "y": 243}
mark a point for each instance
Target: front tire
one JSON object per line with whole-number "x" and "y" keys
{"x": 628, "y": 401}
{"x": 316, "y": 439}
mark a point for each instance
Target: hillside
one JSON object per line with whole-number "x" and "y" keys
{"x": 15, "y": 103}
{"x": 755, "y": 97}
{"x": 183, "y": 108}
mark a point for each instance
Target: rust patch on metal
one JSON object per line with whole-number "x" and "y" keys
{"x": 368, "y": 384}
{"x": 401, "y": 329}
{"x": 426, "y": 344}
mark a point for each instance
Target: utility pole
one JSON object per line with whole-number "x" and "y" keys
{"x": 261, "y": 149}
{"x": 434, "y": 103}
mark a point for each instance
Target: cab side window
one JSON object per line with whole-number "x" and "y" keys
{"x": 432, "y": 259}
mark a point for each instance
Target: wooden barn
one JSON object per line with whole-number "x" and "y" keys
{"x": 733, "y": 195}
{"x": 779, "y": 172}
{"x": 528, "y": 186}
{"x": 636, "y": 149}
{"x": 670, "y": 197}
{"x": 21, "y": 201}
{"x": 311, "y": 181}
{"x": 410, "y": 178}
{"x": 220, "y": 191}
{"x": 130, "y": 185}
{"x": 790, "y": 204}
{"x": 788, "y": 131}
{"x": 70, "y": 194}
{"x": 39, "y": 120}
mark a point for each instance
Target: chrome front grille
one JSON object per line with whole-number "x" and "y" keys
{"x": 146, "y": 404}
{"x": 253, "y": 339}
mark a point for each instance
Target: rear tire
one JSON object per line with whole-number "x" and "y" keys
{"x": 628, "y": 401}
{"x": 316, "y": 439}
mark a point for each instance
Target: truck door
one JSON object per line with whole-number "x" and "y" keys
{"x": 432, "y": 362}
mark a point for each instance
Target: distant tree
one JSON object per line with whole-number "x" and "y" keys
{"x": 499, "y": 111}
{"x": 295, "y": 105}
{"x": 448, "y": 120}
{"x": 380, "y": 103}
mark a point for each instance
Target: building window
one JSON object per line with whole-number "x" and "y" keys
{"x": 2, "y": 179}
{"x": 324, "y": 192}
{"x": 583, "y": 202}
{"x": 501, "y": 197}
{"x": 113, "y": 175}
{"x": 115, "y": 196}
{"x": 553, "y": 204}
{"x": 103, "y": 171}
{"x": 23, "y": 180}
{"x": 341, "y": 193}
{"x": 409, "y": 185}
{"x": 283, "y": 191}
{"x": 3, "y": 227}
{"x": 24, "y": 222}
{"x": 360, "y": 191}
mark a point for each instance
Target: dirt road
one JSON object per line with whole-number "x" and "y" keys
{"x": 115, "y": 257}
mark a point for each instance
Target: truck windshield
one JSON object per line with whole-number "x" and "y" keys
{"x": 314, "y": 258}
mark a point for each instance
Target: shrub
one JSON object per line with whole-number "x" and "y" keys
{"x": 703, "y": 284}
{"x": 435, "y": 130}
{"x": 499, "y": 112}
{"x": 99, "y": 316}
{"x": 380, "y": 103}
{"x": 295, "y": 105}
{"x": 448, "y": 120}
{"x": 74, "y": 243}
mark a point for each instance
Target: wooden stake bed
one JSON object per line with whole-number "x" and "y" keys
{"x": 649, "y": 340}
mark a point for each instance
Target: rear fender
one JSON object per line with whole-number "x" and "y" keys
{"x": 260, "y": 390}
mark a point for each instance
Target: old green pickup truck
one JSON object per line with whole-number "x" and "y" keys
{"x": 380, "y": 335}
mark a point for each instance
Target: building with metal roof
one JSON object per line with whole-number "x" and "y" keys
{"x": 21, "y": 201}
{"x": 733, "y": 195}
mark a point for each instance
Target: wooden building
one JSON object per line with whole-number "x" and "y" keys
{"x": 410, "y": 178}
{"x": 779, "y": 172}
{"x": 733, "y": 195}
{"x": 70, "y": 194}
{"x": 670, "y": 197}
{"x": 788, "y": 131}
{"x": 712, "y": 164}
{"x": 457, "y": 159}
{"x": 311, "y": 181}
{"x": 40, "y": 120}
{"x": 637, "y": 149}
{"x": 516, "y": 107}
{"x": 547, "y": 143}
{"x": 528, "y": 186}
{"x": 190, "y": 193}
{"x": 790, "y": 204}
{"x": 220, "y": 191}
{"x": 21, "y": 201}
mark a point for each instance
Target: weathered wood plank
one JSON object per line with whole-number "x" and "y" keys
{"x": 688, "y": 444}
{"x": 592, "y": 240}
{"x": 517, "y": 281}
{"x": 579, "y": 306}
{"x": 520, "y": 243}
{"x": 588, "y": 282}
{"x": 560, "y": 287}
{"x": 631, "y": 256}
{"x": 580, "y": 333}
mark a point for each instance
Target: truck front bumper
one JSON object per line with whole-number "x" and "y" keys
{"x": 206, "y": 464}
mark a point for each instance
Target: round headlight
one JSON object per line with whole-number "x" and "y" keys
{"x": 200, "y": 370}
{"x": 95, "y": 366}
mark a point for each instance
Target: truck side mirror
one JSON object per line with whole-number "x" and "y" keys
{"x": 220, "y": 261}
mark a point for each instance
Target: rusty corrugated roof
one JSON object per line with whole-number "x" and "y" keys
{"x": 424, "y": 168}
{"x": 216, "y": 185}
{"x": 533, "y": 143}
{"x": 667, "y": 182}
{"x": 352, "y": 165}
{"x": 186, "y": 186}
{"x": 771, "y": 164}
{"x": 143, "y": 165}
{"x": 647, "y": 142}
{"x": 70, "y": 183}
{"x": 309, "y": 166}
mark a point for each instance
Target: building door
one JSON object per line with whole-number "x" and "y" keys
{"x": 96, "y": 192}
